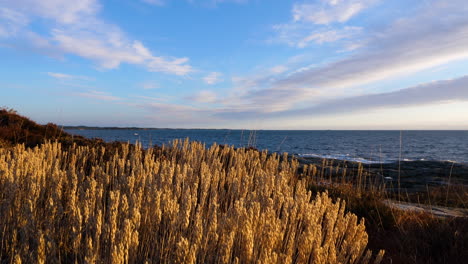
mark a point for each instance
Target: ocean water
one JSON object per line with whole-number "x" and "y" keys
{"x": 363, "y": 146}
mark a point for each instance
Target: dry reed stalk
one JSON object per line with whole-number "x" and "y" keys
{"x": 181, "y": 203}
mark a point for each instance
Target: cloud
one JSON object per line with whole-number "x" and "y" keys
{"x": 151, "y": 98}
{"x": 174, "y": 115}
{"x": 110, "y": 50}
{"x": 408, "y": 45}
{"x": 230, "y": 1}
{"x": 149, "y": 85}
{"x": 154, "y": 2}
{"x": 278, "y": 69}
{"x": 173, "y": 108}
{"x": 320, "y": 23}
{"x": 438, "y": 92}
{"x": 301, "y": 35}
{"x": 444, "y": 91}
{"x": 213, "y": 78}
{"x": 60, "y": 11}
{"x": 210, "y": 3}
{"x": 329, "y": 36}
{"x": 63, "y": 76}
{"x": 329, "y": 11}
{"x": 78, "y": 30}
{"x": 98, "y": 95}
{"x": 11, "y": 22}
{"x": 204, "y": 96}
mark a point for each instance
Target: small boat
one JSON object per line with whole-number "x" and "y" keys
{"x": 135, "y": 134}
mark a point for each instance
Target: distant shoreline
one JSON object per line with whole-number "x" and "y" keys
{"x": 140, "y": 128}
{"x": 245, "y": 129}
{"x": 110, "y": 128}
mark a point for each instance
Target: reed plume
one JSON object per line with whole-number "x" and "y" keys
{"x": 182, "y": 203}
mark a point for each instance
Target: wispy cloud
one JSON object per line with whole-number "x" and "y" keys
{"x": 11, "y": 22}
{"x": 183, "y": 115}
{"x": 98, "y": 95}
{"x": 321, "y": 22}
{"x": 110, "y": 48}
{"x": 445, "y": 91}
{"x": 151, "y": 98}
{"x": 149, "y": 85}
{"x": 63, "y": 76}
{"x": 205, "y": 2}
{"x": 213, "y": 78}
{"x": 176, "y": 115}
{"x": 329, "y": 36}
{"x": 329, "y": 11}
{"x": 60, "y": 11}
{"x": 230, "y": 1}
{"x": 409, "y": 45}
{"x": 303, "y": 35}
{"x": 76, "y": 29}
{"x": 438, "y": 92}
{"x": 203, "y": 96}
{"x": 278, "y": 69}
{"x": 154, "y": 2}
{"x": 173, "y": 108}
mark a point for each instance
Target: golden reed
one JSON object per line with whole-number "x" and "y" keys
{"x": 182, "y": 203}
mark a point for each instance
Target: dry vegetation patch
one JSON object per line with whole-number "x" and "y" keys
{"x": 176, "y": 204}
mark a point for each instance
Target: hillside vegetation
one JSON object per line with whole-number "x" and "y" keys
{"x": 17, "y": 129}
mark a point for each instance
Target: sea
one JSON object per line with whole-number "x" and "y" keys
{"x": 362, "y": 146}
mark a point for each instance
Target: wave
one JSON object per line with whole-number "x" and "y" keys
{"x": 346, "y": 157}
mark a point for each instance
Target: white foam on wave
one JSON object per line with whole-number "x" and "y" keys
{"x": 346, "y": 157}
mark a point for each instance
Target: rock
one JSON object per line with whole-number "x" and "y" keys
{"x": 412, "y": 175}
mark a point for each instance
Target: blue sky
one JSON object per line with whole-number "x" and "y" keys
{"x": 253, "y": 64}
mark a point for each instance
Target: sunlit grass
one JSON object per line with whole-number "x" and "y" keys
{"x": 176, "y": 204}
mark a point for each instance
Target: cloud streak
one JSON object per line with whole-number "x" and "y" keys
{"x": 409, "y": 45}
{"x": 213, "y": 78}
{"x": 149, "y": 85}
{"x": 445, "y": 91}
{"x": 154, "y": 2}
{"x": 11, "y": 22}
{"x": 77, "y": 30}
{"x": 203, "y": 96}
{"x": 63, "y": 76}
{"x": 302, "y": 35}
{"x": 210, "y": 3}
{"x": 98, "y": 96}
{"x": 330, "y": 11}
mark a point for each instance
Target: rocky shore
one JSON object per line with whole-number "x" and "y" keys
{"x": 414, "y": 175}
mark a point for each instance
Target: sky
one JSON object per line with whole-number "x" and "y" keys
{"x": 239, "y": 64}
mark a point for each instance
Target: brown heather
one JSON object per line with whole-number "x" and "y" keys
{"x": 176, "y": 204}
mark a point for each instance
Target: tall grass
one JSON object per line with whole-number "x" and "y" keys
{"x": 407, "y": 236}
{"x": 182, "y": 203}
